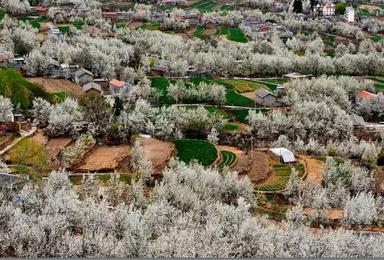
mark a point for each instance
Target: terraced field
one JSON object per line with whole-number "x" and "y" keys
{"x": 204, "y": 5}
{"x": 233, "y": 34}
{"x": 228, "y": 159}
{"x": 279, "y": 181}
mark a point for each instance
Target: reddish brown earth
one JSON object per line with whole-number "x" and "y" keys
{"x": 104, "y": 158}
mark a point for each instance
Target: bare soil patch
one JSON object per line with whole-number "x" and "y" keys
{"x": 315, "y": 170}
{"x": 334, "y": 214}
{"x": 135, "y": 25}
{"x": 40, "y": 138}
{"x": 260, "y": 169}
{"x": 251, "y": 95}
{"x": 210, "y": 30}
{"x": 58, "y": 85}
{"x": 55, "y": 146}
{"x": 104, "y": 158}
{"x": 157, "y": 152}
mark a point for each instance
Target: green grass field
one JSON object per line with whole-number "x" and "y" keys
{"x": 283, "y": 173}
{"x": 378, "y": 83}
{"x": 199, "y": 32}
{"x": 227, "y": 159}
{"x": 227, "y": 7}
{"x": 120, "y": 25}
{"x": 151, "y": 26}
{"x": 376, "y": 38}
{"x": 78, "y": 25}
{"x": 215, "y": 110}
{"x": 231, "y": 127}
{"x": 233, "y": 34}
{"x": 204, "y": 5}
{"x": 34, "y": 21}
{"x": 61, "y": 96}
{"x": 64, "y": 28}
{"x": 202, "y": 151}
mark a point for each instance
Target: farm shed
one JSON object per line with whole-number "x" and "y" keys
{"x": 282, "y": 155}
{"x": 265, "y": 98}
{"x": 92, "y": 89}
{"x": 82, "y": 76}
{"x": 365, "y": 95}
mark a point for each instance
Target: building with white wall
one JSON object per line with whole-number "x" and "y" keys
{"x": 350, "y": 14}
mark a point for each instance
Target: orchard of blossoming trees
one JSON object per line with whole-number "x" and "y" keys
{"x": 247, "y": 128}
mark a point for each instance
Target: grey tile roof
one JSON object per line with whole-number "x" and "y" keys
{"x": 262, "y": 92}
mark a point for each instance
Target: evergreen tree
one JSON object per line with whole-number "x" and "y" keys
{"x": 297, "y": 6}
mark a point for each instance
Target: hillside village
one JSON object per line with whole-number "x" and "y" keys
{"x": 191, "y": 128}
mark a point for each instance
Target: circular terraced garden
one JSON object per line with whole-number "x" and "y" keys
{"x": 202, "y": 151}
{"x": 228, "y": 159}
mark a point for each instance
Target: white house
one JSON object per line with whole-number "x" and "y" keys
{"x": 282, "y": 154}
{"x": 328, "y": 9}
{"x": 350, "y": 14}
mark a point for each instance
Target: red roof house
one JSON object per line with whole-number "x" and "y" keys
{"x": 365, "y": 95}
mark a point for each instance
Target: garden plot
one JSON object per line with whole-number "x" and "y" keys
{"x": 204, "y": 5}
{"x": 259, "y": 168}
{"x": 278, "y": 180}
{"x": 157, "y": 152}
{"x": 190, "y": 149}
{"x": 104, "y": 158}
{"x": 228, "y": 156}
{"x": 58, "y": 86}
{"x": 233, "y": 34}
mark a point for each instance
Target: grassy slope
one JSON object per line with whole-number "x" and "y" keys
{"x": 19, "y": 90}
{"x": 199, "y": 32}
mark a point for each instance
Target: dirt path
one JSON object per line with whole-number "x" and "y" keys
{"x": 58, "y": 85}
{"x": 315, "y": 170}
{"x": 259, "y": 168}
{"x": 104, "y": 158}
{"x": 157, "y": 152}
